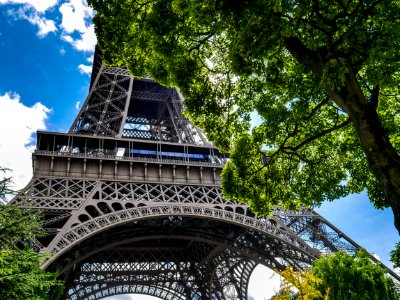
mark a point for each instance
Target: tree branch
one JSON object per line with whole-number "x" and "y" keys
{"x": 318, "y": 135}
{"x": 317, "y": 107}
{"x": 374, "y": 99}
{"x": 357, "y": 22}
{"x": 201, "y": 42}
{"x": 304, "y": 55}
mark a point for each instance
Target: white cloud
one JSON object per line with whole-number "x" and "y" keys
{"x": 74, "y": 13}
{"x": 90, "y": 59}
{"x": 67, "y": 38}
{"x": 38, "y": 5}
{"x": 376, "y": 256}
{"x": 76, "y": 25}
{"x": 88, "y": 40}
{"x": 77, "y": 105}
{"x": 74, "y": 19}
{"x": 85, "y": 69}
{"x": 45, "y": 25}
{"x": 17, "y": 124}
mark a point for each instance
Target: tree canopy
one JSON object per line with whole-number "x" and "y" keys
{"x": 338, "y": 276}
{"x": 321, "y": 77}
{"x": 21, "y": 276}
{"x": 353, "y": 277}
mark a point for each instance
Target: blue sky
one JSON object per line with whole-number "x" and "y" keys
{"x": 46, "y": 47}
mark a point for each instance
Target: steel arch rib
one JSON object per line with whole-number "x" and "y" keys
{"x": 93, "y": 226}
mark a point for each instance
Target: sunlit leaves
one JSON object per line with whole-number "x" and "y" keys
{"x": 300, "y": 66}
{"x": 21, "y": 276}
{"x": 338, "y": 276}
{"x": 300, "y": 285}
{"x": 349, "y": 277}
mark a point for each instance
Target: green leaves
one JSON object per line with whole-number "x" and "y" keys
{"x": 21, "y": 276}
{"x": 18, "y": 225}
{"x": 395, "y": 256}
{"x": 338, "y": 276}
{"x": 349, "y": 277}
{"x": 322, "y": 76}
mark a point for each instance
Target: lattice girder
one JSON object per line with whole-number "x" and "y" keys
{"x": 122, "y": 202}
{"x": 185, "y": 271}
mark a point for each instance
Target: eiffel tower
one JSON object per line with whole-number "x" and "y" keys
{"x": 132, "y": 203}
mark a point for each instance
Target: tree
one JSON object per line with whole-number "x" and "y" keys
{"x": 353, "y": 277}
{"x": 322, "y": 77}
{"x": 5, "y": 183}
{"x": 395, "y": 256}
{"x": 21, "y": 276}
{"x": 338, "y": 276}
{"x": 301, "y": 285}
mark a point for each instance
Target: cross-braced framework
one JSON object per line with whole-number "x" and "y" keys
{"x": 132, "y": 203}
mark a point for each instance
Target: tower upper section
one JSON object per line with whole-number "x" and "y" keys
{"x": 120, "y": 105}
{"x": 129, "y": 129}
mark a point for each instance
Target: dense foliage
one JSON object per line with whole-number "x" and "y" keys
{"x": 395, "y": 256}
{"x": 322, "y": 78}
{"x": 353, "y": 277}
{"x": 338, "y": 276}
{"x": 21, "y": 277}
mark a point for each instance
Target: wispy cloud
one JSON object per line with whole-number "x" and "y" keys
{"x": 83, "y": 69}
{"x": 39, "y": 5}
{"x": 45, "y": 26}
{"x": 67, "y": 38}
{"x": 17, "y": 125}
{"x": 74, "y": 14}
{"x": 90, "y": 59}
{"x": 87, "y": 41}
{"x": 34, "y": 17}
{"x": 76, "y": 20}
{"x": 76, "y": 17}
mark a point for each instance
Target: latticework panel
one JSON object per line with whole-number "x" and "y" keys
{"x": 170, "y": 272}
{"x": 105, "y": 108}
{"x": 317, "y": 231}
{"x": 109, "y": 191}
{"x": 55, "y": 193}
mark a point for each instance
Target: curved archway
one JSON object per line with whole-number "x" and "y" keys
{"x": 166, "y": 249}
{"x": 114, "y": 218}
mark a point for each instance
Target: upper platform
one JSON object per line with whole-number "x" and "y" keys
{"x": 122, "y": 106}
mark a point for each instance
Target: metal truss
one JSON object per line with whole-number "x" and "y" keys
{"x": 169, "y": 274}
{"x": 120, "y": 105}
{"x": 105, "y": 108}
{"x": 197, "y": 262}
{"x": 317, "y": 231}
{"x": 131, "y": 203}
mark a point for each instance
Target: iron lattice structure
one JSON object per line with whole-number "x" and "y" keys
{"x": 132, "y": 203}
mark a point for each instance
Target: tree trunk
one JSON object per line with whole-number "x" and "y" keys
{"x": 383, "y": 159}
